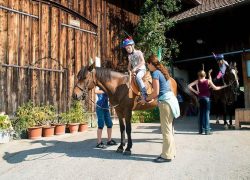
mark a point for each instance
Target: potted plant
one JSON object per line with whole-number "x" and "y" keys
{"x": 47, "y": 117}
{"x": 60, "y": 126}
{"x": 26, "y": 124}
{"x": 5, "y": 128}
{"x": 75, "y": 116}
{"x": 31, "y": 119}
{"x": 83, "y": 126}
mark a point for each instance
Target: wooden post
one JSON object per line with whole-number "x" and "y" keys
{"x": 246, "y": 80}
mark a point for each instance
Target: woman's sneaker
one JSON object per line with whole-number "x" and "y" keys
{"x": 111, "y": 142}
{"x": 100, "y": 145}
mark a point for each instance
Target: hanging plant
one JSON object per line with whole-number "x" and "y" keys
{"x": 152, "y": 28}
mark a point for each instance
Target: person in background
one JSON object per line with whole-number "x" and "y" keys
{"x": 202, "y": 90}
{"x": 168, "y": 106}
{"x": 223, "y": 64}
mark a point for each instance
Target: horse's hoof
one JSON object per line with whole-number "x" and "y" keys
{"x": 127, "y": 153}
{"x": 226, "y": 126}
{"x": 119, "y": 150}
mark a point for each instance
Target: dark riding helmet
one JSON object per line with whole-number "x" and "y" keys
{"x": 218, "y": 57}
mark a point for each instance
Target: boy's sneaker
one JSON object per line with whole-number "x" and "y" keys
{"x": 100, "y": 145}
{"x": 111, "y": 143}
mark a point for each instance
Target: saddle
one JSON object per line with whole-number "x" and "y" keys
{"x": 147, "y": 79}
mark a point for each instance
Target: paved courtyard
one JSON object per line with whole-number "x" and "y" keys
{"x": 223, "y": 155}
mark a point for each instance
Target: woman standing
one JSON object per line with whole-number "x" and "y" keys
{"x": 202, "y": 90}
{"x": 168, "y": 106}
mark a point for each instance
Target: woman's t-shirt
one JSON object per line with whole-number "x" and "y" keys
{"x": 164, "y": 84}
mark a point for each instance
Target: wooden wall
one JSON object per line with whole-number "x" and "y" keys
{"x": 40, "y": 39}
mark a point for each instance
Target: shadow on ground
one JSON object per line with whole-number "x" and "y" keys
{"x": 54, "y": 149}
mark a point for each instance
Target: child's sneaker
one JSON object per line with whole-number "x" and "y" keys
{"x": 100, "y": 145}
{"x": 111, "y": 143}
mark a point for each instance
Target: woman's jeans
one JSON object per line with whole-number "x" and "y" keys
{"x": 204, "y": 115}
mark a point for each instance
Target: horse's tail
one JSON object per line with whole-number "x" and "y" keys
{"x": 186, "y": 94}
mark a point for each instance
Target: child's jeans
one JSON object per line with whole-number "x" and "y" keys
{"x": 139, "y": 75}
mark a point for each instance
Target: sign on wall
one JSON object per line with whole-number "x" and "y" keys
{"x": 248, "y": 68}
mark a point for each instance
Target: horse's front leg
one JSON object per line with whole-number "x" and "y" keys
{"x": 122, "y": 131}
{"x": 128, "y": 131}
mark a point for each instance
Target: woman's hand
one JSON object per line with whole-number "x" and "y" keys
{"x": 143, "y": 101}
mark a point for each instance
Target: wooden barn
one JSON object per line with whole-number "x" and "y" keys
{"x": 219, "y": 26}
{"x": 44, "y": 43}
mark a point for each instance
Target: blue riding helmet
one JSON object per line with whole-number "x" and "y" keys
{"x": 127, "y": 41}
{"x": 219, "y": 57}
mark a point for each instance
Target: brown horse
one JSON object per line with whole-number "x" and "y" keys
{"x": 117, "y": 87}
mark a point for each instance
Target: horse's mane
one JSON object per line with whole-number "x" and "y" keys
{"x": 103, "y": 74}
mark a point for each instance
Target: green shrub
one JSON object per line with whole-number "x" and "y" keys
{"x": 30, "y": 115}
{"x": 146, "y": 116}
{"x": 75, "y": 114}
{"x": 5, "y": 123}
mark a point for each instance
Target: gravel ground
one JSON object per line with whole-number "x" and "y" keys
{"x": 223, "y": 155}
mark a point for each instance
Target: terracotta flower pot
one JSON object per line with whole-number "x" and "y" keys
{"x": 48, "y": 131}
{"x": 59, "y": 129}
{"x": 73, "y": 127}
{"x": 35, "y": 132}
{"x": 82, "y": 127}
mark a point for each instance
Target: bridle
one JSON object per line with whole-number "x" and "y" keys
{"x": 233, "y": 85}
{"x": 85, "y": 94}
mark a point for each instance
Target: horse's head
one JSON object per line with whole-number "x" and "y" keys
{"x": 86, "y": 82}
{"x": 231, "y": 78}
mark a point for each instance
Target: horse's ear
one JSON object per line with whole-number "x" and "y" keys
{"x": 235, "y": 64}
{"x": 91, "y": 67}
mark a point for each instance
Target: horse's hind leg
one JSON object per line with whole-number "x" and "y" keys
{"x": 122, "y": 131}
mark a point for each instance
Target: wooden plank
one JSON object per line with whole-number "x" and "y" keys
{"x": 12, "y": 57}
{"x": 34, "y": 53}
{"x": 71, "y": 61}
{"x": 237, "y": 118}
{"x": 63, "y": 59}
{"x": 54, "y": 53}
{"x": 43, "y": 81}
{"x": 246, "y": 115}
{"x": 3, "y": 53}
{"x": 81, "y": 10}
{"x": 20, "y": 76}
{"x": 23, "y": 92}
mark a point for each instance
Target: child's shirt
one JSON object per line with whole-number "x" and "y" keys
{"x": 223, "y": 68}
{"x": 134, "y": 59}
